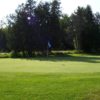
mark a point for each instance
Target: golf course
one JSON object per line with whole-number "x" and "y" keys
{"x": 69, "y": 77}
{"x": 50, "y": 50}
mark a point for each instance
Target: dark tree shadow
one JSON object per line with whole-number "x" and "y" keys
{"x": 67, "y": 57}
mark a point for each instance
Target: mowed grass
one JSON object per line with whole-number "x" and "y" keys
{"x": 74, "y": 77}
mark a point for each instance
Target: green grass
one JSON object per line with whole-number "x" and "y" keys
{"x": 70, "y": 77}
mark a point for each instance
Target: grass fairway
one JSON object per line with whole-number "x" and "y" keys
{"x": 74, "y": 77}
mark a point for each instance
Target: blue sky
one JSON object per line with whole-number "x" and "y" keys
{"x": 67, "y": 6}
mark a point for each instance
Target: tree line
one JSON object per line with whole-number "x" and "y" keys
{"x": 43, "y": 27}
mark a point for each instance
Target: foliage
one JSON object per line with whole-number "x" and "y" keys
{"x": 67, "y": 36}
{"x": 42, "y": 27}
{"x": 85, "y": 30}
{"x": 3, "y": 41}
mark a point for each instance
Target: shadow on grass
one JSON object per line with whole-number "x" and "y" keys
{"x": 68, "y": 57}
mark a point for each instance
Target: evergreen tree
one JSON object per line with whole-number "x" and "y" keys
{"x": 85, "y": 29}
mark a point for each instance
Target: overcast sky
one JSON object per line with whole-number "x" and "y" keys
{"x": 68, "y": 6}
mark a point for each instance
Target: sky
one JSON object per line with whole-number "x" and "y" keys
{"x": 67, "y": 6}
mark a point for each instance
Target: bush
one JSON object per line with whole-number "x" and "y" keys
{"x": 5, "y": 55}
{"x": 15, "y": 55}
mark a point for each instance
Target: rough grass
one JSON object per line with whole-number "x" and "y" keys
{"x": 71, "y": 77}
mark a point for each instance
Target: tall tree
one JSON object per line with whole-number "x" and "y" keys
{"x": 42, "y": 12}
{"x": 3, "y": 41}
{"x": 16, "y": 30}
{"x": 65, "y": 24}
{"x": 85, "y": 29}
{"x": 78, "y": 26}
{"x": 55, "y": 24}
{"x": 21, "y": 28}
